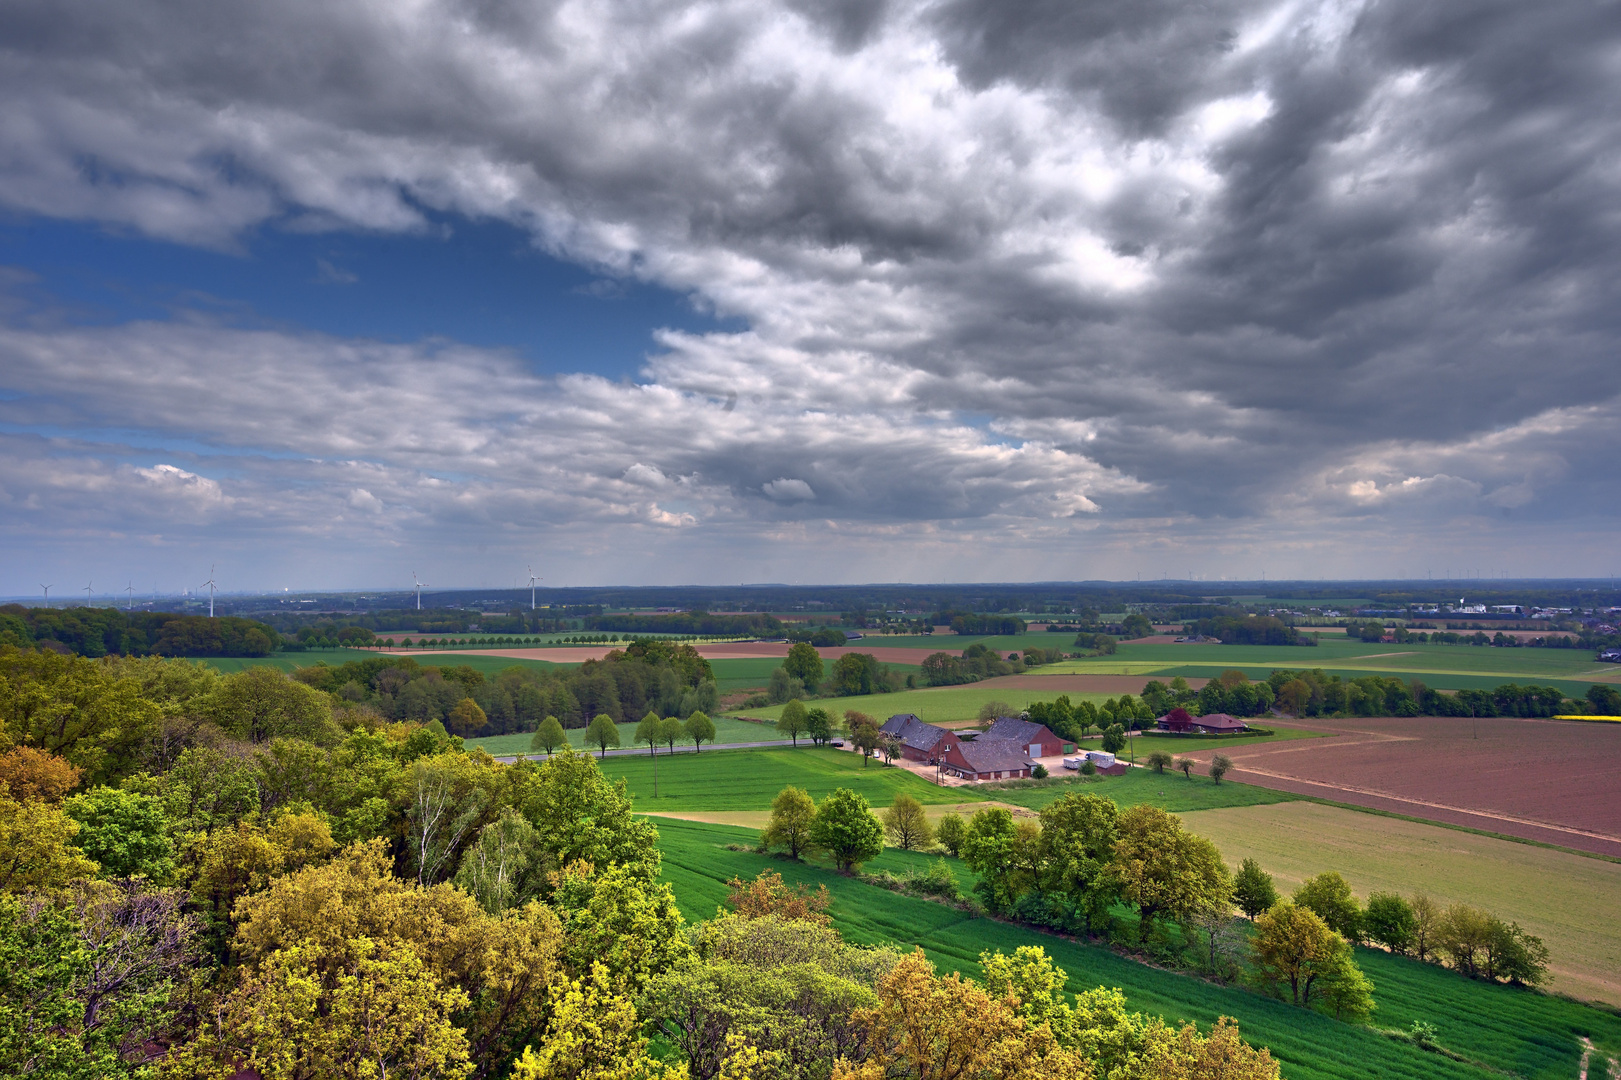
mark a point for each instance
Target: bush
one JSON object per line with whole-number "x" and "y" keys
{"x": 1039, "y": 772}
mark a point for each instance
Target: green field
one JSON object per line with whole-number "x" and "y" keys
{"x": 1448, "y": 667}
{"x": 1172, "y": 791}
{"x": 1553, "y": 894}
{"x": 742, "y": 780}
{"x": 750, "y": 779}
{"x": 937, "y": 705}
{"x": 727, "y": 730}
{"x": 953, "y": 644}
{"x": 1518, "y": 1032}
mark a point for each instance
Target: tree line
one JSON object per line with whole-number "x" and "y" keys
{"x": 87, "y": 631}
{"x": 671, "y": 679}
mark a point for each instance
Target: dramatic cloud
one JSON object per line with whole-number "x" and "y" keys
{"x": 1090, "y": 283}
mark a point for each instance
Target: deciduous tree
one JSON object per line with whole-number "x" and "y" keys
{"x": 1329, "y": 895}
{"x": 846, "y": 830}
{"x": 793, "y": 721}
{"x": 1077, "y": 852}
{"x": 1253, "y": 889}
{"x": 766, "y": 896}
{"x": 602, "y": 733}
{"x": 906, "y": 824}
{"x": 124, "y": 832}
{"x": 804, "y": 663}
{"x": 934, "y": 1027}
{"x": 1293, "y": 946}
{"x": 548, "y": 736}
{"x": 1166, "y": 871}
{"x": 793, "y": 813}
{"x": 700, "y": 729}
{"x": 1388, "y": 920}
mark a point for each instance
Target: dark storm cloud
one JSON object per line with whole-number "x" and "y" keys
{"x": 1224, "y": 264}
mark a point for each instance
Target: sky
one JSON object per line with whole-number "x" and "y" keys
{"x": 325, "y": 295}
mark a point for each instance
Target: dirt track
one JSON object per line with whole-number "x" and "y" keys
{"x": 1547, "y": 780}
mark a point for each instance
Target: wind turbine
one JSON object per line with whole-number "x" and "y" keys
{"x": 210, "y": 584}
{"x": 87, "y": 592}
{"x": 419, "y": 589}
{"x": 532, "y": 580}
{"x": 130, "y": 588}
{"x": 47, "y": 589}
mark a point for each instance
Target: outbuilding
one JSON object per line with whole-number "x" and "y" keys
{"x": 997, "y": 759}
{"x": 1033, "y": 739}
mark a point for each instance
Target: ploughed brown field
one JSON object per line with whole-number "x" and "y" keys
{"x": 1548, "y": 780}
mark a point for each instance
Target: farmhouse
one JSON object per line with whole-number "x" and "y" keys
{"x": 1029, "y": 737}
{"x": 982, "y": 759}
{"x": 1179, "y": 721}
{"x": 919, "y": 741}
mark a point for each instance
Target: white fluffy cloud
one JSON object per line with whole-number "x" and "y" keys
{"x": 1080, "y": 282}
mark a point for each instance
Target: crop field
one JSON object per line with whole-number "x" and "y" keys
{"x": 1171, "y": 791}
{"x": 937, "y": 705}
{"x": 1551, "y": 781}
{"x": 727, "y": 730}
{"x": 230, "y": 665}
{"x": 747, "y": 780}
{"x": 1518, "y": 1032}
{"x": 1553, "y": 894}
{"x": 750, "y": 779}
{"x": 953, "y": 643}
{"x": 1447, "y": 667}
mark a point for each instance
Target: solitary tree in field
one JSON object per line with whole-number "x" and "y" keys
{"x": 792, "y": 813}
{"x": 1220, "y": 766}
{"x": 602, "y": 732}
{"x": 1159, "y": 761}
{"x": 700, "y": 729}
{"x": 906, "y": 824}
{"x": 1186, "y": 764}
{"x": 793, "y": 720}
{"x": 549, "y": 736}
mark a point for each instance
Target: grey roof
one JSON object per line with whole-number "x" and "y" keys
{"x": 1016, "y": 730}
{"x": 1218, "y": 720}
{"x": 998, "y": 755}
{"x": 913, "y": 732}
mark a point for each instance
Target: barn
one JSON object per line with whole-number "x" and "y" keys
{"x": 919, "y": 741}
{"x": 1032, "y": 739}
{"x": 996, "y": 759}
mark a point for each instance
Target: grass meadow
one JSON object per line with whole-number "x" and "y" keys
{"x": 1553, "y": 894}
{"x": 1516, "y": 1032}
{"x": 1447, "y": 667}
